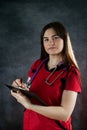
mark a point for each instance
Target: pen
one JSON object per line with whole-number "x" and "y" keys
{"x": 21, "y": 80}
{"x": 28, "y": 84}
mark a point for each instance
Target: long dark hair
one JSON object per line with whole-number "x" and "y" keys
{"x": 67, "y": 53}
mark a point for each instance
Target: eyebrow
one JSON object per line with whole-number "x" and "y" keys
{"x": 51, "y": 36}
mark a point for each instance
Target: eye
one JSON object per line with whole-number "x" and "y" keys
{"x": 45, "y": 40}
{"x": 55, "y": 37}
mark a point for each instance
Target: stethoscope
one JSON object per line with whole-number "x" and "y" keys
{"x": 28, "y": 83}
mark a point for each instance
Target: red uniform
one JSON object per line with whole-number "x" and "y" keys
{"x": 66, "y": 80}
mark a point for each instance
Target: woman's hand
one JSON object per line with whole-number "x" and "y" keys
{"x": 22, "y": 99}
{"x": 19, "y": 83}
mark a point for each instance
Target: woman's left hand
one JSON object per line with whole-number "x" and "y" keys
{"x": 22, "y": 99}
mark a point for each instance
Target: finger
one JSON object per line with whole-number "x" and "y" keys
{"x": 14, "y": 94}
{"x": 18, "y": 82}
{"x": 19, "y": 92}
{"x": 14, "y": 84}
{"x": 23, "y": 85}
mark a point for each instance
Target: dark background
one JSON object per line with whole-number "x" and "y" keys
{"x": 20, "y": 26}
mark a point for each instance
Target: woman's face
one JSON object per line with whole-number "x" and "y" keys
{"x": 53, "y": 44}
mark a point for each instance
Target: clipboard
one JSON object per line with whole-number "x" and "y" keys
{"x": 26, "y": 93}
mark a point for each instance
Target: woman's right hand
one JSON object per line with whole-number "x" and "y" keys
{"x": 19, "y": 83}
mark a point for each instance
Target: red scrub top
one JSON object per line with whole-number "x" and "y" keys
{"x": 68, "y": 79}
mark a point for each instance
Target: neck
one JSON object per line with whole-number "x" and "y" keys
{"x": 54, "y": 61}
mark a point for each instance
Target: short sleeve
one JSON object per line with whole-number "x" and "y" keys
{"x": 73, "y": 80}
{"x": 34, "y": 67}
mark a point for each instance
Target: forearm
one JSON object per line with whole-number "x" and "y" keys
{"x": 53, "y": 112}
{"x": 62, "y": 112}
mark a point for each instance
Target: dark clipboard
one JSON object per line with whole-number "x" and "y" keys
{"x": 27, "y": 93}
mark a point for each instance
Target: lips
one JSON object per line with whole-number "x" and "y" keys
{"x": 51, "y": 48}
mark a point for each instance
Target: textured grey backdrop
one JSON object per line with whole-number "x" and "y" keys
{"x": 20, "y": 26}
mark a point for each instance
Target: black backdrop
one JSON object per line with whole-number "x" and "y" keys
{"x": 20, "y": 26}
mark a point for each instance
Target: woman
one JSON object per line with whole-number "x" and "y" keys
{"x": 57, "y": 83}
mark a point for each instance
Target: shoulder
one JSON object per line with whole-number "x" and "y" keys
{"x": 73, "y": 81}
{"x": 34, "y": 67}
{"x": 74, "y": 74}
{"x": 73, "y": 70}
{"x": 37, "y": 62}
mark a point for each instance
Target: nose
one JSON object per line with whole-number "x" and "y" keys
{"x": 51, "y": 41}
